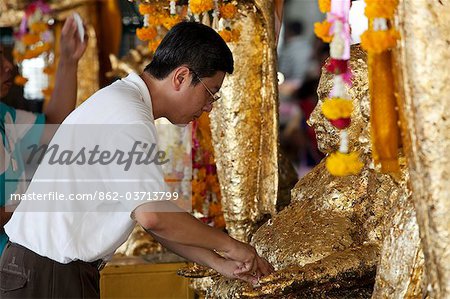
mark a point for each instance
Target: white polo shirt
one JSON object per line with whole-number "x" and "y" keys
{"x": 114, "y": 119}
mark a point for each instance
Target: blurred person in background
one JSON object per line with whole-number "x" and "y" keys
{"x": 20, "y": 128}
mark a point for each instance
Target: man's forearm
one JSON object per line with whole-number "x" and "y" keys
{"x": 202, "y": 256}
{"x": 183, "y": 228}
{"x": 64, "y": 94}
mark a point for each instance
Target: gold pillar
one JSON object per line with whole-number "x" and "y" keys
{"x": 244, "y": 124}
{"x": 424, "y": 59}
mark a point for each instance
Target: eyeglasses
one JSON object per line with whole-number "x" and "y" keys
{"x": 214, "y": 96}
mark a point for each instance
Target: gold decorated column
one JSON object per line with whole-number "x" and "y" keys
{"x": 244, "y": 124}
{"x": 424, "y": 58}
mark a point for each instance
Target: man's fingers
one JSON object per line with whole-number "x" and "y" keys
{"x": 248, "y": 278}
{"x": 67, "y": 25}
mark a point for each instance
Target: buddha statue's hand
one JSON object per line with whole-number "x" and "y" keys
{"x": 273, "y": 283}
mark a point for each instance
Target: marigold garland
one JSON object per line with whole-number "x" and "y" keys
{"x": 30, "y": 39}
{"x": 379, "y": 41}
{"x": 322, "y": 30}
{"x": 33, "y": 37}
{"x": 338, "y": 107}
{"x": 170, "y": 21}
{"x": 380, "y": 9}
{"x": 200, "y": 6}
{"x": 147, "y": 9}
{"x": 146, "y": 33}
{"x": 228, "y": 11}
{"x": 324, "y": 6}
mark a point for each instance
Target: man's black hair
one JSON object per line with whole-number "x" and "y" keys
{"x": 195, "y": 45}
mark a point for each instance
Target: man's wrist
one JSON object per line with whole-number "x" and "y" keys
{"x": 68, "y": 62}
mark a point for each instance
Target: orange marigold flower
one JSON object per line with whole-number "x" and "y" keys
{"x": 379, "y": 41}
{"x": 226, "y": 35}
{"x": 171, "y": 21}
{"x": 146, "y": 33}
{"x": 381, "y": 9}
{"x": 145, "y": 9}
{"x": 324, "y": 6}
{"x": 228, "y": 11}
{"x": 30, "y": 39}
{"x": 20, "y": 80}
{"x": 199, "y": 6}
{"x": 38, "y": 27}
{"x": 322, "y": 30}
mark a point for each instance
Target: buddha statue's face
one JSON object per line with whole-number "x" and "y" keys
{"x": 328, "y": 135}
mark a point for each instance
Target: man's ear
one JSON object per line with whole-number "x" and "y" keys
{"x": 180, "y": 77}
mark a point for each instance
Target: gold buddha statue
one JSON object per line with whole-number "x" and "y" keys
{"x": 327, "y": 243}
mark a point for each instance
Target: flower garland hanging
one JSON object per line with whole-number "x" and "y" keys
{"x": 206, "y": 195}
{"x": 378, "y": 41}
{"x": 33, "y": 38}
{"x": 159, "y": 18}
{"x": 338, "y": 107}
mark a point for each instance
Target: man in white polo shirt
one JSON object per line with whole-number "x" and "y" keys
{"x": 57, "y": 247}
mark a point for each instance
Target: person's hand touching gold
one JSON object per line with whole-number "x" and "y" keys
{"x": 250, "y": 265}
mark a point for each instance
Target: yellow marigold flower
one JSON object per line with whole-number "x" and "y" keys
{"x": 171, "y": 21}
{"x": 38, "y": 27}
{"x": 380, "y": 8}
{"x": 146, "y": 33}
{"x": 30, "y": 39}
{"x": 228, "y": 11}
{"x": 226, "y": 35}
{"x": 20, "y": 80}
{"x": 379, "y": 41}
{"x": 336, "y": 108}
{"x": 146, "y": 9}
{"x": 340, "y": 164}
{"x": 199, "y": 6}
{"x": 324, "y": 6}
{"x": 157, "y": 19}
{"x": 322, "y": 30}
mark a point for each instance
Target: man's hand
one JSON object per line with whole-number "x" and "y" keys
{"x": 71, "y": 46}
{"x": 249, "y": 262}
